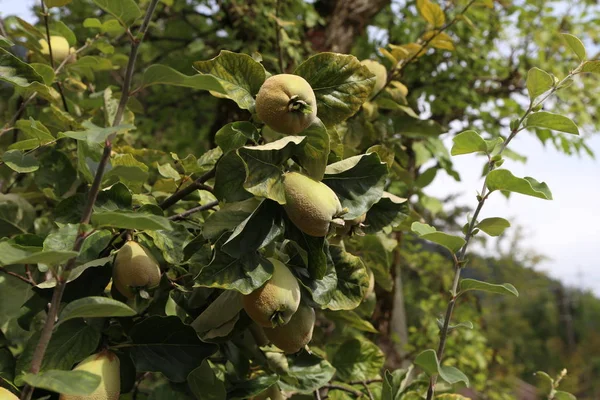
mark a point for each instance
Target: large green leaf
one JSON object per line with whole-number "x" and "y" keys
{"x": 428, "y": 361}
{"x": 74, "y": 383}
{"x": 538, "y": 82}
{"x": 171, "y": 242}
{"x": 11, "y": 254}
{"x": 306, "y": 373}
{"x": 167, "y": 345}
{"x": 204, "y": 383}
{"x": 230, "y": 178}
{"x": 341, "y": 85}
{"x": 352, "y": 280}
{"x": 235, "y": 135}
{"x": 394, "y": 383}
{"x": 219, "y": 318}
{"x": 20, "y": 162}
{"x": 473, "y": 284}
{"x": 494, "y": 226}
{"x": 503, "y": 179}
{"x": 543, "y": 119}
{"x": 242, "y": 390}
{"x": 163, "y": 75}
{"x": 244, "y": 274}
{"x": 314, "y": 150}
{"x": 95, "y": 134}
{"x": 131, "y": 220}
{"x": 126, "y": 11}
{"x": 239, "y": 75}
{"x": 310, "y": 249}
{"x": 350, "y": 319}
{"x": 576, "y": 45}
{"x": 23, "y": 75}
{"x": 428, "y": 232}
{"x": 358, "y": 181}
{"x": 258, "y": 230}
{"x": 228, "y": 217}
{"x": 357, "y": 359}
{"x": 467, "y": 142}
{"x": 264, "y": 166}
{"x": 95, "y": 307}
{"x": 591, "y": 67}
{"x": 71, "y": 342}
{"x": 390, "y": 210}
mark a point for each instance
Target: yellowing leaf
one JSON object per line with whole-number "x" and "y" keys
{"x": 388, "y": 55}
{"x": 431, "y": 12}
{"x": 401, "y": 86}
{"x": 439, "y": 40}
{"x": 407, "y": 51}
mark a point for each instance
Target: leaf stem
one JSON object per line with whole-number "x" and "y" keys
{"x": 460, "y": 258}
{"x": 61, "y": 279}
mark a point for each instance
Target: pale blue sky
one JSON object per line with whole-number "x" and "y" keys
{"x": 567, "y": 229}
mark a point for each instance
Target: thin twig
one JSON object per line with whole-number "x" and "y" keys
{"x": 191, "y": 211}
{"x": 180, "y": 194}
{"x": 317, "y": 394}
{"x": 398, "y": 68}
{"x": 459, "y": 259}
{"x": 355, "y": 392}
{"x": 366, "y": 385}
{"x": 20, "y": 277}
{"x": 61, "y": 280}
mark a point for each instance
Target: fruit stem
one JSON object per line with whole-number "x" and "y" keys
{"x": 297, "y": 105}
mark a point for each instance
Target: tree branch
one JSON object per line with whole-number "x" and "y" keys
{"x": 180, "y": 194}
{"x": 61, "y": 279}
{"x": 28, "y": 281}
{"x": 355, "y": 392}
{"x": 191, "y": 211}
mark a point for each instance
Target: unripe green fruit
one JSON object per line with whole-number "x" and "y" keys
{"x": 134, "y": 267}
{"x": 311, "y": 205}
{"x": 5, "y": 394}
{"x": 60, "y": 48}
{"x": 106, "y": 365}
{"x": 296, "y": 334}
{"x": 286, "y": 103}
{"x": 277, "y": 300}
{"x": 380, "y": 73}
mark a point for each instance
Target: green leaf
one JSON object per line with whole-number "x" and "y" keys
{"x": 95, "y": 307}
{"x": 352, "y": 280}
{"x": 591, "y": 67}
{"x": 126, "y": 11}
{"x": 162, "y": 75}
{"x": 560, "y": 395}
{"x": 264, "y": 166}
{"x": 543, "y": 119}
{"x": 306, "y": 373}
{"x": 390, "y": 210}
{"x": 228, "y": 217}
{"x": 204, "y": 384}
{"x": 23, "y": 75}
{"x": 56, "y": 3}
{"x": 244, "y": 274}
{"x": 235, "y": 135}
{"x": 503, "y": 179}
{"x": 341, "y": 85}
{"x": 74, "y": 383}
{"x": 20, "y": 162}
{"x": 131, "y": 220}
{"x": 428, "y": 232}
{"x": 71, "y": 342}
{"x": 219, "y": 318}
{"x": 262, "y": 227}
{"x": 350, "y": 319}
{"x": 467, "y": 142}
{"x": 432, "y": 13}
{"x": 357, "y": 359}
{"x": 12, "y": 254}
{"x": 310, "y": 248}
{"x": 230, "y": 178}
{"x": 428, "y": 361}
{"x": 167, "y": 345}
{"x": 394, "y": 383}
{"x": 546, "y": 382}
{"x": 576, "y": 45}
{"x": 493, "y": 226}
{"x": 538, "y": 82}
{"x": 358, "y": 182}
{"x": 473, "y": 284}
{"x": 242, "y": 390}
{"x": 239, "y": 75}
{"x": 95, "y": 134}
{"x": 314, "y": 150}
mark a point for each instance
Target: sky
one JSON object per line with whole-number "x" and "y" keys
{"x": 566, "y": 229}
